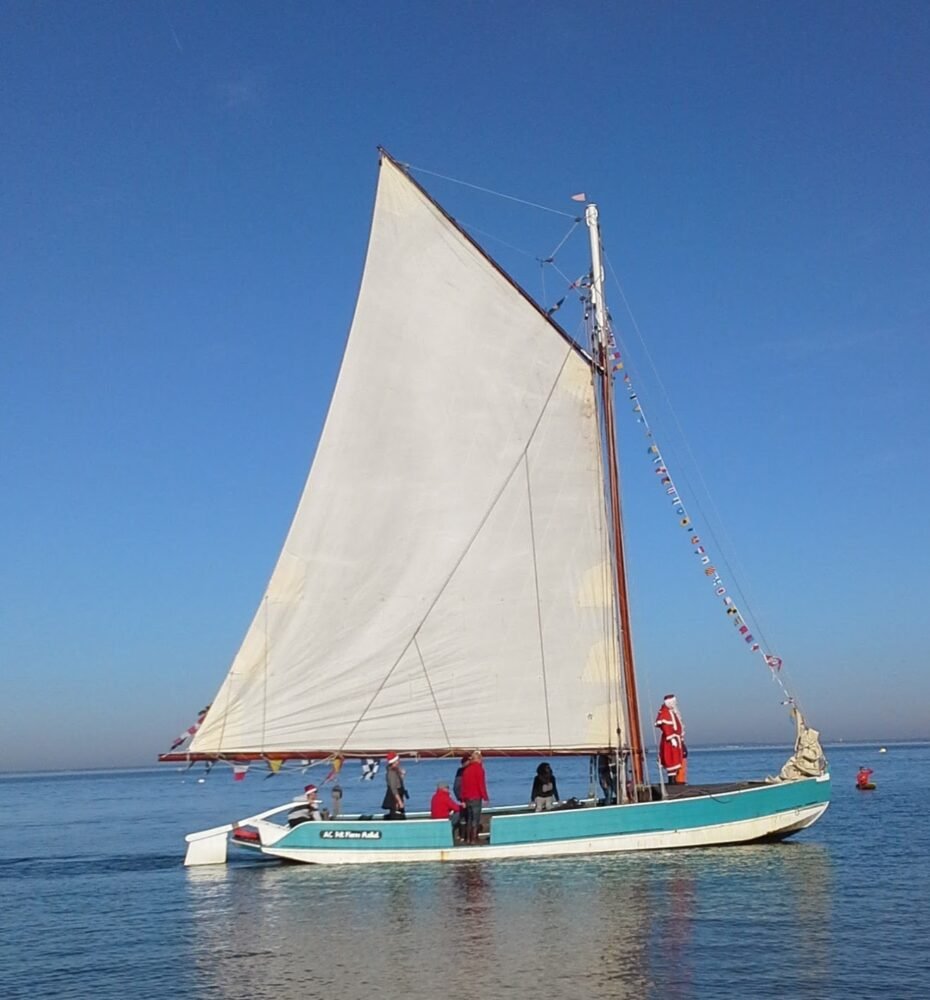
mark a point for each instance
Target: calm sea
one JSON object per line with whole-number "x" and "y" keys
{"x": 95, "y": 902}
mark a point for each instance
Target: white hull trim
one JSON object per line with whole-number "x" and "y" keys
{"x": 705, "y": 836}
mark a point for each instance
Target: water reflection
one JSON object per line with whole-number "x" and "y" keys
{"x": 673, "y": 924}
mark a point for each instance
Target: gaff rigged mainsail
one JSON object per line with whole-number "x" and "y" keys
{"x": 446, "y": 580}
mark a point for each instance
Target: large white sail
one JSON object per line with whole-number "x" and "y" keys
{"x": 445, "y": 581}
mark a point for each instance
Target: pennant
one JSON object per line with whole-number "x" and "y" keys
{"x": 189, "y": 732}
{"x": 335, "y": 769}
{"x": 369, "y": 769}
{"x": 581, "y": 196}
{"x": 274, "y": 767}
{"x": 678, "y": 506}
{"x": 240, "y": 771}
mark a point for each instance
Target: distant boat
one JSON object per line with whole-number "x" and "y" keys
{"x": 454, "y": 577}
{"x": 882, "y": 750}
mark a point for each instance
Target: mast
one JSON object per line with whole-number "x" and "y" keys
{"x": 601, "y": 330}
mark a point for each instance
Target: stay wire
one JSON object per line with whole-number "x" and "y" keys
{"x": 497, "y": 194}
{"x": 721, "y": 546}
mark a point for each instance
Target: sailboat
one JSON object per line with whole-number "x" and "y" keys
{"x": 454, "y": 577}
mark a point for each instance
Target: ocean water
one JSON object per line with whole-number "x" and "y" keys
{"x": 95, "y": 901}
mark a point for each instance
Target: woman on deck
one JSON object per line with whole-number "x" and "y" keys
{"x": 396, "y": 794}
{"x": 545, "y": 794}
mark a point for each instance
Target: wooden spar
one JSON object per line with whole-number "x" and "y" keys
{"x": 631, "y": 700}
{"x": 626, "y": 638}
{"x": 435, "y": 753}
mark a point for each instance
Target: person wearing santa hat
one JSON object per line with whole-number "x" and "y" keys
{"x": 672, "y": 750}
{"x": 396, "y": 794}
{"x": 308, "y": 810}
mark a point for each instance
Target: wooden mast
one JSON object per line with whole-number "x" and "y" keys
{"x": 601, "y": 331}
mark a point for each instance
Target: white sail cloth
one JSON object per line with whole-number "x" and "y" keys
{"x": 445, "y": 581}
{"x": 808, "y": 760}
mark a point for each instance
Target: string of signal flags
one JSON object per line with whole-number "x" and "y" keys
{"x": 773, "y": 662}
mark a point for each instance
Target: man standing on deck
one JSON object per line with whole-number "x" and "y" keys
{"x": 672, "y": 741}
{"x": 474, "y": 793}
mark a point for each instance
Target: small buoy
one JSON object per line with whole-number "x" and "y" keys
{"x": 882, "y": 750}
{"x": 200, "y": 781}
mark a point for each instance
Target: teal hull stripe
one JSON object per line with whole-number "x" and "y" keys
{"x": 566, "y": 824}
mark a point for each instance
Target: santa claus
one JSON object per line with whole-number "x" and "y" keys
{"x": 672, "y": 750}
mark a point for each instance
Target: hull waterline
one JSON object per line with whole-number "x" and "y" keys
{"x": 757, "y": 813}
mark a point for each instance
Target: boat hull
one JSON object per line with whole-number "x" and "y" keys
{"x": 764, "y": 812}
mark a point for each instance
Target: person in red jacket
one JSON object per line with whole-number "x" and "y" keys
{"x": 474, "y": 793}
{"x": 863, "y": 779}
{"x": 442, "y": 805}
{"x": 672, "y": 750}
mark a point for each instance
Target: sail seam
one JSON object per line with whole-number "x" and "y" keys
{"x": 542, "y": 411}
{"x": 229, "y": 687}
{"x": 542, "y": 645}
{"x": 442, "y": 722}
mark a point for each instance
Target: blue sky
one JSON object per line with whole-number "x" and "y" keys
{"x": 185, "y": 197}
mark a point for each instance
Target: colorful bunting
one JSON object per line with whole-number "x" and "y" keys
{"x": 240, "y": 771}
{"x": 189, "y": 732}
{"x": 335, "y": 769}
{"x": 684, "y": 519}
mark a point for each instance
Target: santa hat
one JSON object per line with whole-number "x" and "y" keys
{"x": 392, "y": 758}
{"x": 669, "y": 697}
{"x": 309, "y": 789}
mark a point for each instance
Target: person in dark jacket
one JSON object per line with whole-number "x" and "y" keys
{"x": 545, "y": 794}
{"x": 396, "y": 793}
{"x": 457, "y": 781}
{"x": 607, "y": 777}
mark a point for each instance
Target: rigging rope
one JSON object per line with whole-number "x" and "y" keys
{"x": 733, "y": 610}
{"x": 497, "y": 194}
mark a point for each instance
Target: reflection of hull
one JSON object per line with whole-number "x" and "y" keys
{"x": 870, "y": 787}
{"x": 690, "y": 819}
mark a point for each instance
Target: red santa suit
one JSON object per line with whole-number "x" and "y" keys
{"x": 672, "y": 740}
